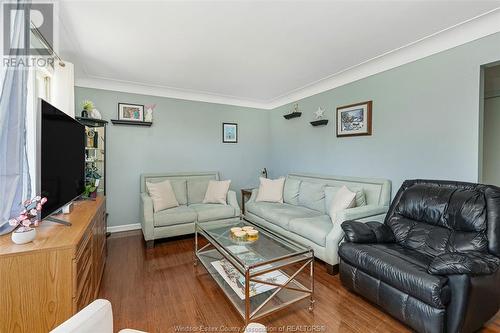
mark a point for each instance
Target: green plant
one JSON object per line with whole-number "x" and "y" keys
{"x": 89, "y": 189}
{"x": 88, "y": 105}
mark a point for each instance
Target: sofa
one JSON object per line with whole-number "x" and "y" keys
{"x": 189, "y": 189}
{"x": 303, "y": 215}
{"x": 434, "y": 262}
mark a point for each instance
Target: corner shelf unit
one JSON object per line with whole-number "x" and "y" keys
{"x": 131, "y": 122}
{"x": 95, "y": 148}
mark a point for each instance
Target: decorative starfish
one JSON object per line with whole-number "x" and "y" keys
{"x": 320, "y": 113}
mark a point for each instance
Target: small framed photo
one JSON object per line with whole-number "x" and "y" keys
{"x": 229, "y": 133}
{"x": 132, "y": 112}
{"x": 354, "y": 119}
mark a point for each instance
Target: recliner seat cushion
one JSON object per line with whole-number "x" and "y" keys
{"x": 314, "y": 229}
{"x": 402, "y": 268}
{"x": 278, "y": 213}
{"x": 211, "y": 212}
{"x": 172, "y": 216}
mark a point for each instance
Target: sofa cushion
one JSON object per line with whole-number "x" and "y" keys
{"x": 312, "y": 195}
{"x": 279, "y": 214}
{"x": 180, "y": 190}
{"x": 291, "y": 191}
{"x": 402, "y": 268}
{"x": 162, "y": 195}
{"x": 217, "y": 192}
{"x": 330, "y": 192}
{"x": 313, "y": 228}
{"x": 172, "y": 216}
{"x": 211, "y": 212}
{"x": 270, "y": 190}
{"x": 196, "y": 190}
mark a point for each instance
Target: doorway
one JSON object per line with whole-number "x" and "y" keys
{"x": 491, "y": 126}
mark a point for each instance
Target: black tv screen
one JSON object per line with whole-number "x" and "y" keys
{"x": 62, "y": 158}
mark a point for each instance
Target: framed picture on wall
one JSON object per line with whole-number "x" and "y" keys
{"x": 229, "y": 133}
{"x": 354, "y": 119}
{"x": 132, "y": 112}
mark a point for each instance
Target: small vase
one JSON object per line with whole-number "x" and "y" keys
{"x": 85, "y": 114}
{"x": 23, "y": 237}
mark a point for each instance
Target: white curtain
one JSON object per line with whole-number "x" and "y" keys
{"x": 14, "y": 171}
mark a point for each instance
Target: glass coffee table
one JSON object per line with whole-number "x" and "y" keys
{"x": 258, "y": 276}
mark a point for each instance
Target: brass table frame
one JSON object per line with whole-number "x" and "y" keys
{"x": 305, "y": 258}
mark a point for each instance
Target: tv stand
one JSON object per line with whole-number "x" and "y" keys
{"x": 56, "y": 220}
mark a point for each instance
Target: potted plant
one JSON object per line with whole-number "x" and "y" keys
{"x": 88, "y": 106}
{"x": 28, "y": 217}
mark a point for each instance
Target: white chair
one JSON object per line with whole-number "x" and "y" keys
{"x": 97, "y": 317}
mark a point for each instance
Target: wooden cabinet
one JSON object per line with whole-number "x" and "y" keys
{"x": 45, "y": 282}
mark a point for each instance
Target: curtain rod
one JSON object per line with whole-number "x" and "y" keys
{"x": 47, "y": 45}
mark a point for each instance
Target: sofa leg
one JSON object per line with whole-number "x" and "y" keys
{"x": 332, "y": 269}
{"x": 150, "y": 244}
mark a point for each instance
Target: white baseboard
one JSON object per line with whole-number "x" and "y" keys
{"x": 124, "y": 227}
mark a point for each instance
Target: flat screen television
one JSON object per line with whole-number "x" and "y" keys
{"x": 60, "y": 158}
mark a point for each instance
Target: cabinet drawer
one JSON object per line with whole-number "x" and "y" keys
{"x": 85, "y": 291}
{"x": 83, "y": 243}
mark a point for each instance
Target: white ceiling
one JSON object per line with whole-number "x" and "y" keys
{"x": 254, "y": 52}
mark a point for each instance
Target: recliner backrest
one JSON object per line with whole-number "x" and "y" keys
{"x": 435, "y": 217}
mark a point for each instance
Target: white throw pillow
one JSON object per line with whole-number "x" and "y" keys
{"x": 343, "y": 199}
{"x": 217, "y": 191}
{"x": 271, "y": 190}
{"x": 162, "y": 194}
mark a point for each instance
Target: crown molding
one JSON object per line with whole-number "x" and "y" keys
{"x": 161, "y": 91}
{"x": 475, "y": 28}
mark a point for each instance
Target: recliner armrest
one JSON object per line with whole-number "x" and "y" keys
{"x": 471, "y": 262}
{"x": 369, "y": 232}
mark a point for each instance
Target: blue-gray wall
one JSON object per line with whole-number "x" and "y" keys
{"x": 185, "y": 136}
{"x": 425, "y": 122}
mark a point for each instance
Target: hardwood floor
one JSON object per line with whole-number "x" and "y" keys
{"x": 159, "y": 290}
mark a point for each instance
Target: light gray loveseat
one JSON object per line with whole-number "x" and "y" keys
{"x": 189, "y": 189}
{"x": 304, "y": 217}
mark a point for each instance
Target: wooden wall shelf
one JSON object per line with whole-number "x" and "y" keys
{"x": 321, "y": 122}
{"x": 131, "y": 122}
{"x": 292, "y": 115}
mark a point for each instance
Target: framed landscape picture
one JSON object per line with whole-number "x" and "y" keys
{"x": 132, "y": 112}
{"x": 354, "y": 119}
{"x": 229, "y": 133}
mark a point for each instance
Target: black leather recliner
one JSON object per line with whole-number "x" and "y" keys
{"x": 433, "y": 263}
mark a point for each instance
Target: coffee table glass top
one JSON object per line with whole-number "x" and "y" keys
{"x": 268, "y": 249}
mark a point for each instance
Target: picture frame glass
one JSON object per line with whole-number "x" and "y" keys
{"x": 354, "y": 120}
{"x": 130, "y": 112}
{"x": 230, "y": 133}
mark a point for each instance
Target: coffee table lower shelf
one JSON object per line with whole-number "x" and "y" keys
{"x": 280, "y": 296}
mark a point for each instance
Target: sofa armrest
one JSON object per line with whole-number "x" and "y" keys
{"x": 255, "y": 191}
{"x": 362, "y": 212}
{"x": 232, "y": 201}
{"x": 146, "y": 216}
{"x": 471, "y": 262}
{"x": 369, "y": 232}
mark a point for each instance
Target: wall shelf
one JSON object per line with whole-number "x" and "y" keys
{"x": 91, "y": 122}
{"x": 321, "y": 122}
{"x": 292, "y": 115}
{"x": 131, "y": 122}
